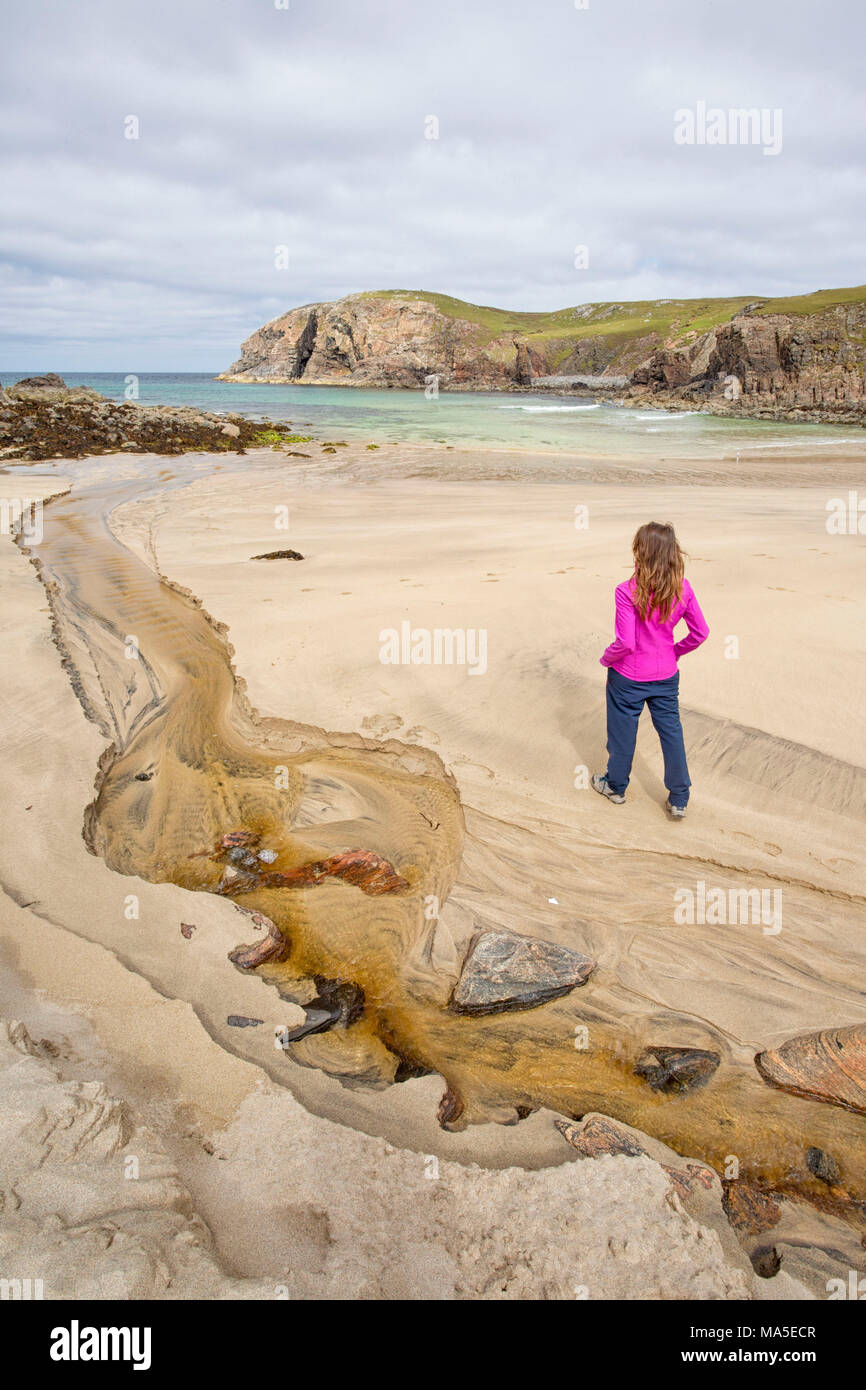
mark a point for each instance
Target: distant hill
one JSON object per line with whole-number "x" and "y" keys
{"x": 798, "y": 357}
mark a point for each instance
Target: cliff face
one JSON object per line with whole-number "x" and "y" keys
{"x": 726, "y": 356}
{"x": 370, "y": 341}
{"x": 776, "y": 366}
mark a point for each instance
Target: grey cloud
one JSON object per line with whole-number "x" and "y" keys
{"x": 306, "y": 128}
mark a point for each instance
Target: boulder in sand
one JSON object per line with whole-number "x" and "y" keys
{"x": 824, "y": 1166}
{"x": 503, "y": 970}
{"x": 673, "y": 1069}
{"x": 828, "y": 1066}
{"x": 749, "y": 1210}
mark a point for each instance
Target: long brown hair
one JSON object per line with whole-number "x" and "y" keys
{"x": 659, "y": 567}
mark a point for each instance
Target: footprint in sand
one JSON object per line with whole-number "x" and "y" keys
{"x": 418, "y": 734}
{"x": 381, "y": 724}
{"x": 465, "y": 765}
{"x": 837, "y": 863}
{"x": 767, "y": 846}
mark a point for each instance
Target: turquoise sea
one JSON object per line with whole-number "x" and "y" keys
{"x": 569, "y": 424}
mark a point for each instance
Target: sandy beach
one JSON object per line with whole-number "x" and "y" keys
{"x": 314, "y": 1172}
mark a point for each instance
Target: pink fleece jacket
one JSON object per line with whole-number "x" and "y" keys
{"x": 646, "y": 651}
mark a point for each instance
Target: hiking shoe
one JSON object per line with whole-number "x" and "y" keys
{"x": 600, "y": 785}
{"x": 675, "y": 812}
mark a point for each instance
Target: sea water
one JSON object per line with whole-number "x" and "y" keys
{"x": 495, "y": 419}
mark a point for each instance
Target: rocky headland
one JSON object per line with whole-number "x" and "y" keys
{"x": 799, "y": 358}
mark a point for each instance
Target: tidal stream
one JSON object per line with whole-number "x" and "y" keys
{"x": 189, "y": 761}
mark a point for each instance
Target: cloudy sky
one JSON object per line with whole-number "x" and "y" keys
{"x": 306, "y": 127}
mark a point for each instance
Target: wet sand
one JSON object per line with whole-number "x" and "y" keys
{"x": 491, "y": 762}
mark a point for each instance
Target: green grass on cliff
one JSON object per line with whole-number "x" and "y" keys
{"x": 669, "y": 318}
{"x": 494, "y": 322}
{"x": 814, "y": 303}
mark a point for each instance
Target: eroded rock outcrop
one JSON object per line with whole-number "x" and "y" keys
{"x": 778, "y": 366}
{"x": 370, "y": 340}
{"x": 405, "y": 339}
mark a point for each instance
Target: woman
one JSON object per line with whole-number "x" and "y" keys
{"x": 642, "y": 663}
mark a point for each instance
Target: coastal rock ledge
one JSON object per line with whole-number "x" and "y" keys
{"x": 43, "y": 418}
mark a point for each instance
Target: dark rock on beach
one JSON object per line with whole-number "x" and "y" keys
{"x": 280, "y": 555}
{"x": 338, "y": 1002}
{"x": 342, "y": 996}
{"x": 505, "y": 971}
{"x": 822, "y": 1165}
{"x": 749, "y": 1210}
{"x": 241, "y": 1021}
{"x": 749, "y": 1207}
{"x": 766, "y": 1261}
{"x": 674, "y": 1069}
{"x": 317, "y": 1021}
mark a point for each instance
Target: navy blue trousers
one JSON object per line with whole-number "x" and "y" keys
{"x": 625, "y": 702}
